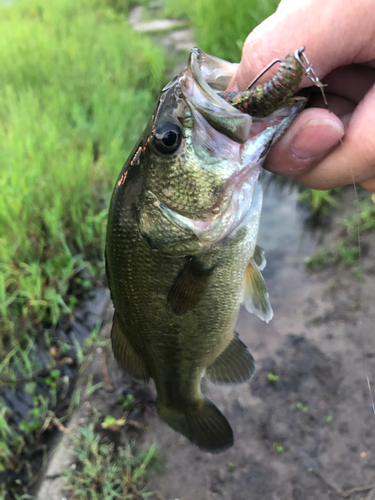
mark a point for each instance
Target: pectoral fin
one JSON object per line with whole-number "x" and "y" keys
{"x": 126, "y": 355}
{"x": 256, "y": 296}
{"x": 260, "y": 257}
{"x": 234, "y": 365}
{"x": 188, "y": 287}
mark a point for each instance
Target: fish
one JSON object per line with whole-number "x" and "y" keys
{"x": 181, "y": 252}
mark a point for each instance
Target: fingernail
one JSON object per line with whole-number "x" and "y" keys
{"x": 315, "y": 138}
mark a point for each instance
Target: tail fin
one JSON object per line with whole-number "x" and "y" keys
{"x": 204, "y": 426}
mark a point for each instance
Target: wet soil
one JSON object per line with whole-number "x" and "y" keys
{"x": 304, "y": 425}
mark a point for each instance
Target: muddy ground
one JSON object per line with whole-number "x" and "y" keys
{"x": 304, "y": 426}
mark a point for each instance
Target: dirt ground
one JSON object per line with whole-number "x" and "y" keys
{"x": 304, "y": 426}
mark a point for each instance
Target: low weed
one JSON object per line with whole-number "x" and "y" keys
{"x": 347, "y": 250}
{"x": 279, "y": 448}
{"x": 318, "y": 201}
{"x": 10, "y": 440}
{"x": 273, "y": 378}
{"x": 102, "y": 471}
{"x": 318, "y": 260}
{"x": 300, "y": 407}
{"x": 362, "y": 220}
{"x": 344, "y": 252}
{"x": 347, "y": 253}
{"x": 39, "y": 381}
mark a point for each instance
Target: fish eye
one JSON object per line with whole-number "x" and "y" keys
{"x": 167, "y": 137}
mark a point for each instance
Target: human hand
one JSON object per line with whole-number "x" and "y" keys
{"x": 323, "y": 149}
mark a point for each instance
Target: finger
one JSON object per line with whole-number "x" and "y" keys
{"x": 337, "y": 105}
{"x": 325, "y": 28}
{"x": 369, "y": 185}
{"x": 311, "y": 136}
{"x": 350, "y": 82}
{"x": 354, "y": 159}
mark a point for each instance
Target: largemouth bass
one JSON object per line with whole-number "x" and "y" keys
{"x": 181, "y": 249}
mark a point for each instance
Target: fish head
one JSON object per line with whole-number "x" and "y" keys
{"x": 202, "y": 156}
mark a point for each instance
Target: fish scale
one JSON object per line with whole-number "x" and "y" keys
{"x": 190, "y": 179}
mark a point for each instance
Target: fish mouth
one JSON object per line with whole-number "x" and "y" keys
{"x": 223, "y": 117}
{"x": 232, "y": 135}
{"x": 216, "y": 72}
{"x": 202, "y": 78}
{"x": 243, "y": 198}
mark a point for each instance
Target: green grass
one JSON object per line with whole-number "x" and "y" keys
{"x": 363, "y": 219}
{"x": 273, "y": 378}
{"x": 102, "y": 471}
{"x": 77, "y": 85}
{"x": 319, "y": 260}
{"x": 10, "y": 440}
{"x": 279, "y": 448}
{"x": 221, "y": 28}
{"x": 318, "y": 201}
{"x": 346, "y": 251}
{"x": 300, "y": 407}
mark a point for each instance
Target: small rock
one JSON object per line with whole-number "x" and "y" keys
{"x": 157, "y": 25}
{"x": 135, "y": 15}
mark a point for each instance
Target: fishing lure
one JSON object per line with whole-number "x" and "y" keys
{"x": 265, "y": 98}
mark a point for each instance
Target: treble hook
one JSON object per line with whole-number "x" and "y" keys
{"x": 310, "y": 73}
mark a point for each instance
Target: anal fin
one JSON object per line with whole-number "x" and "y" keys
{"x": 256, "y": 298}
{"x": 126, "y": 355}
{"x": 234, "y": 365}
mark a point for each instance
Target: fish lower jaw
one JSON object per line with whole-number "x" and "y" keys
{"x": 244, "y": 205}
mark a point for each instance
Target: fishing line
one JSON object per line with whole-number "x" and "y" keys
{"x": 360, "y": 277}
{"x": 369, "y": 385}
{"x": 361, "y": 281}
{"x": 360, "y": 288}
